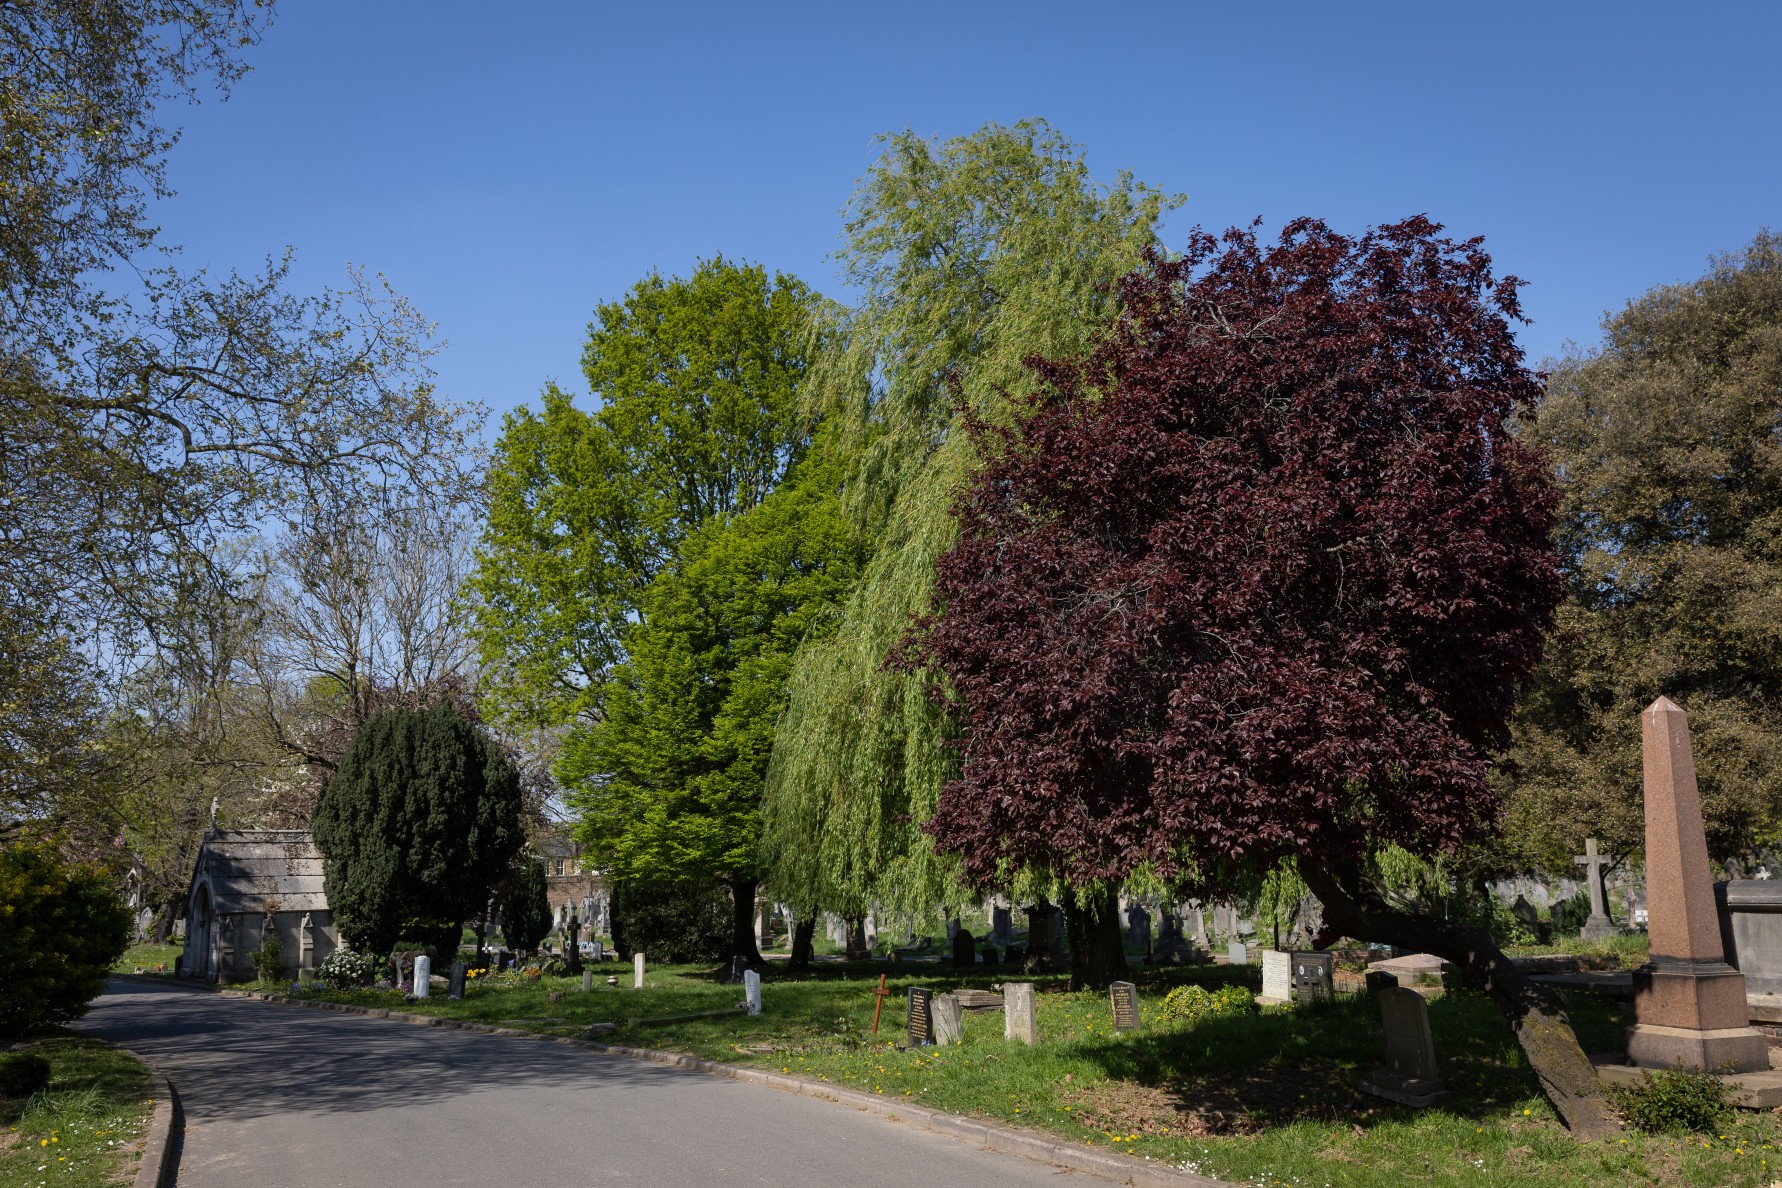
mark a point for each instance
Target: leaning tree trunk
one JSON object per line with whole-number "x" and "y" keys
{"x": 1354, "y": 908}
{"x": 1092, "y": 929}
{"x": 804, "y": 935}
{"x": 742, "y": 923}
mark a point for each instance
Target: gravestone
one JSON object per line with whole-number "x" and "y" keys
{"x": 587, "y": 980}
{"x": 455, "y": 987}
{"x": 1138, "y": 927}
{"x": 599, "y": 953}
{"x": 947, "y": 1028}
{"x": 1020, "y": 1020}
{"x": 1410, "y": 1077}
{"x": 1598, "y": 925}
{"x": 1124, "y": 997}
{"x": 990, "y": 955}
{"x": 1170, "y": 947}
{"x": 1528, "y": 917}
{"x": 423, "y": 975}
{"x": 1277, "y": 978}
{"x": 1237, "y": 953}
{"x": 738, "y": 966}
{"x": 869, "y": 931}
{"x": 965, "y": 951}
{"x": 1001, "y": 926}
{"x": 1198, "y": 920}
{"x": 1312, "y": 977}
{"x": 921, "y": 1017}
{"x": 752, "y": 991}
{"x": 637, "y": 970}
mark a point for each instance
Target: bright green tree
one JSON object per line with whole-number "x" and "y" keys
{"x": 668, "y": 778}
{"x": 971, "y": 255}
{"x": 698, "y": 384}
{"x": 61, "y": 928}
{"x": 1668, "y": 443}
{"x": 416, "y": 827}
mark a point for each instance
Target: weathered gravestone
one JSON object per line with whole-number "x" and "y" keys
{"x": 1312, "y": 973}
{"x": 637, "y": 970}
{"x": 423, "y": 975}
{"x": 1124, "y": 998}
{"x": 1237, "y": 953}
{"x": 599, "y": 952}
{"x": 965, "y": 952}
{"x": 947, "y": 1027}
{"x": 1410, "y": 1077}
{"x": 1529, "y": 918}
{"x": 1598, "y": 925}
{"x": 921, "y": 1017}
{"x": 1138, "y": 927}
{"x": 455, "y": 987}
{"x": 751, "y": 992}
{"x": 1277, "y": 978}
{"x": 1001, "y": 926}
{"x": 587, "y": 980}
{"x": 1020, "y": 1020}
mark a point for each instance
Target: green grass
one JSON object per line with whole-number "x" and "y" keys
{"x": 1267, "y": 1098}
{"x": 146, "y": 957}
{"x": 85, "y": 1129}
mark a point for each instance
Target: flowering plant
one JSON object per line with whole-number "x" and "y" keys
{"x": 343, "y": 968}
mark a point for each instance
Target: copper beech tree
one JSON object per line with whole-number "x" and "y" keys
{"x": 1257, "y": 581}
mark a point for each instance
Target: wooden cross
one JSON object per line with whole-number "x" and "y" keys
{"x": 878, "y": 1003}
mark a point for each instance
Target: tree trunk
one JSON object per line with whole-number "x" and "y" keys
{"x": 1092, "y": 928}
{"x": 572, "y": 946}
{"x": 742, "y": 923}
{"x": 1041, "y": 938}
{"x": 804, "y": 933}
{"x": 1353, "y": 907}
{"x": 162, "y": 924}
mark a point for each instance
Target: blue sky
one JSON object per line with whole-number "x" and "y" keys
{"x": 508, "y": 166}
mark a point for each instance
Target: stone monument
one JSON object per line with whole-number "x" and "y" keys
{"x": 947, "y": 1026}
{"x": 423, "y": 975}
{"x": 1410, "y": 1077}
{"x": 1598, "y": 925}
{"x": 1277, "y": 979}
{"x": 1020, "y": 1019}
{"x": 1689, "y": 1003}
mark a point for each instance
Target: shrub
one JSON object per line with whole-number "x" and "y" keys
{"x": 61, "y": 930}
{"x": 269, "y": 958}
{"x": 672, "y": 922}
{"x": 525, "y": 908}
{"x": 344, "y": 968}
{"x": 1676, "y": 1101}
{"x": 1569, "y": 915}
{"x": 22, "y": 1074}
{"x": 1189, "y": 1005}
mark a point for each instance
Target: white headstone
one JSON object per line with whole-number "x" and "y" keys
{"x": 1019, "y": 1018}
{"x": 1237, "y": 953}
{"x": 587, "y": 980}
{"x": 1277, "y": 977}
{"x": 423, "y": 975}
{"x": 637, "y": 971}
{"x": 752, "y": 991}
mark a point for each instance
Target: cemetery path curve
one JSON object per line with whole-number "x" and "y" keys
{"x": 278, "y": 1096}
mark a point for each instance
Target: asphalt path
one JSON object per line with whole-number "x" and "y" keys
{"x": 279, "y": 1096}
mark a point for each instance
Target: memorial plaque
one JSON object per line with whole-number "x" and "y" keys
{"x": 1126, "y": 1009}
{"x": 1312, "y": 977}
{"x": 921, "y": 1025}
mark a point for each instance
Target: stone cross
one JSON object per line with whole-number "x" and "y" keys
{"x": 1689, "y": 1003}
{"x": 1020, "y": 1021}
{"x": 423, "y": 975}
{"x": 752, "y": 992}
{"x": 1599, "y": 925}
{"x": 637, "y": 968}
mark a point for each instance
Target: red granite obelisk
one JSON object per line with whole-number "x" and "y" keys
{"x": 1689, "y": 1002}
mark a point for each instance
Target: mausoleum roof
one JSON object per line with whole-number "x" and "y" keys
{"x": 247, "y": 867}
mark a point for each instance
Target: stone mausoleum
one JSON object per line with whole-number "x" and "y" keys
{"x": 248, "y": 884}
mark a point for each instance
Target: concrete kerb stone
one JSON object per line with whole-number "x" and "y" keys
{"x": 1002, "y": 1139}
{"x": 159, "y": 1148}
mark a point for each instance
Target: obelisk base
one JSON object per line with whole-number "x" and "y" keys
{"x": 1693, "y": 1013}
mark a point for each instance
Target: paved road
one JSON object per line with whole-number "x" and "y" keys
{"x": 278, "y": 1096}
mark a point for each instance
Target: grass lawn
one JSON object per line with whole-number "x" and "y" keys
{"x": 86, "y": 1128}
{"x": 1267, "y": 1098}
{"x": 146, "y": 957}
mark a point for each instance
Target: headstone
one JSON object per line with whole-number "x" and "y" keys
{"x": 1001, "y": 926}
{"x": 1198, "y": 921}
{"x": 1277, "y": 978}
{"x": 870, "y": 932}
{"x": 587, "y": 980}
{"x": 1598, "y": 925}
{"x": 1020, "y": 1020}
{"x": 921, "y": 1017}
{"x": 1312, "y": 974}
{"x": 947, "y": 1028}
{"x": 637, "y": 970}
{"x": 1410, "y": 1077}
{"x": 1689, "y": 1003}
{"x": 990, "y": 955}
{"x": 423, "y": 975}
{"x": 738, "y": 966}
{"x": 1170, "y": 948}
{"x": 599, "y": 953}
{"x": 965, "y": 951}
{"x": 1527, "y": 916}
{"x": 1378, "y": 980}
{"x": 1237, "y": 953}
{"x": 455, "y": 986}
{"x": 1124, "y": 997}
{"x": 1138, "y": 927}
{"x": 752, "y": 991}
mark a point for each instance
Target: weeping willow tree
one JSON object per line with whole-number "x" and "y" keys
{"x": 972, "y": 256}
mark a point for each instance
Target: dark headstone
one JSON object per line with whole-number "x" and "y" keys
{"x": 1015, "y": 955}
{"x": 1410, "y": 1076}
{"x": 965, "y": 951}
{"x": 991, "y": 956}
{"x": 738, "y": 967}
{"x": 1312, "y": 977}
{"x": 1379, "y": 979}
{"x": 1124, "y": 996}
{"x": 921, "y": 1017}
{"x": 455, "y": 982}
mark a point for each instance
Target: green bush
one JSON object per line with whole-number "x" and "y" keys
{"x": 343, "y": 969}
{"x": 22, "y": 1074}
{"x": 1568, "y": 915}
{"x": 61, "y": 930}
{"x": 269, "y": 958}
{"x": 1189, "y": 1005}
{"x": 672, "y": 922}
{"x": 524, "y": 903}
{"x": 1676, "y": 1101}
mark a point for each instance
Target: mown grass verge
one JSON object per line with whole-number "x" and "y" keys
{"x": 84, "y": 1130}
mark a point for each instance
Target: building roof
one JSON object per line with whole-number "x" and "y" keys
{"x": 247, "y": 867}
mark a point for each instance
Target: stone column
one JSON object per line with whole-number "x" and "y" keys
{"x": 1690, "y": 1004}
